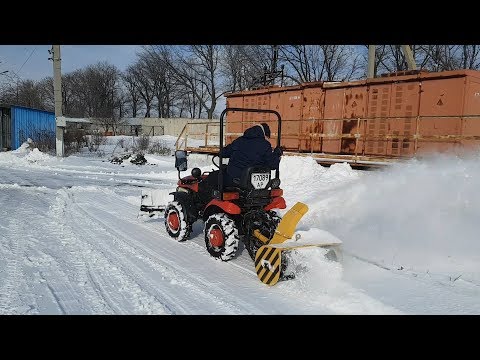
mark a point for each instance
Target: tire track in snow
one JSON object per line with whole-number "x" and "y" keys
{"x": 160, "y": 276}
{"x": 99, "y": 210}
{"x": 195, "y": 242}
{"x": 51, "y": 267}
{"x": 15, "y": 292}
{"x": 113, "y": 285}
{"x": 41, "y": 270}
{"x": 14, "y": 280}
{"x": 242, "y": 263}
{"x": 72, "y": 265}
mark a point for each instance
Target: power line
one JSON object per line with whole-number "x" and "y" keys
{"x": 29, "y": 56}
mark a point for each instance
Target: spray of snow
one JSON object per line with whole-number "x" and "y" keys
{"x": 320, "y": 280}
{"x": 306, "y": 181}
{"x": 420, "y": 215}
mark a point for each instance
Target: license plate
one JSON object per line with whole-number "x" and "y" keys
{"x": 260, "y": 180}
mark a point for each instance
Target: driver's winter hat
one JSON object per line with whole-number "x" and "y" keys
{"x": 266, "y": 129}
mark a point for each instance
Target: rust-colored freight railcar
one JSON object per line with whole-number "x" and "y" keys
{"x": 395, "y": 116}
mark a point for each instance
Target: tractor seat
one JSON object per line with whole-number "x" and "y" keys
{"x": 231, "y": 189}
{"x": 189, "y": 180}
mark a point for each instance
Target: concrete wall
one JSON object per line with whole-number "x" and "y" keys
{"x": 169, "y": 126}
{"x": 174, "y": 126}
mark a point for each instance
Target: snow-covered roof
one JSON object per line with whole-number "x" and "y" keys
{"x": 78, "y": 120}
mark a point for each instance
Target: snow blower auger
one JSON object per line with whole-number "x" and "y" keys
{"x": 271, "y": 260}
{"x": 246, "y": 211}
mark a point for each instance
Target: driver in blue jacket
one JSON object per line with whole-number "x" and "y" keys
{"x": 250, "y": 149}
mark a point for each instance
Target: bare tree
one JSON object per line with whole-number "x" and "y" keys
{"x": 470, "y": 56}
{"x": 306, "y": 63}
{"x": 232, "y": 67}
{"x": 245, "y": 66}
{"x": 45, "y": 89}
{"x": 26, "y": 93}
{"x": 192, "y": 65}
{"x": 71, "y": 94}
{"x": 163, "y": 84}
{"x": 131, "y": 84}
{"x": 341, "y": 62}
{"x": 145, "y": 85}
{"x": 390, "y": 58}
{"x": 187, "y": 101}
{"x": 96, "y": 90}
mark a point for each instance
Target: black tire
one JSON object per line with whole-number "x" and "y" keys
{"x": 182, "y": 231}
{"x": 229, "y": 233}
{"x": 274, "y": 216}
{"x": 252, "y": 244}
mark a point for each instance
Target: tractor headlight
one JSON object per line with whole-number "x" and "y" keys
{"x": 275, "y": 183}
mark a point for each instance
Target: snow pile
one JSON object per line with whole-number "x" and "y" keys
{"x": 341, "y": 173}
{"x": 296, "y": 170}
{"x": 25, "y": 147}
{"x": 10, "y": 186}
{"x": 303, "y": 175}
{"x": 25, "y": 156}
{"x": 36, "y": 156}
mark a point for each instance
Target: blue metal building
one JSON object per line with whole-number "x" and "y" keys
{"x": 18, "y": 123}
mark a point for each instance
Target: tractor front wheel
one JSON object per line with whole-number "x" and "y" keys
{"x": 176, "y": 222}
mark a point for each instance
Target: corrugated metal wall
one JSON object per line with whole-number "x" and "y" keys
{"x": 30, "y": 123}
{"x": 2, "y": 131}
{"x": 5, "y": 129}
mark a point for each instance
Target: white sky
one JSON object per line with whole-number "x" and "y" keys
{"x": 71, "y": 242}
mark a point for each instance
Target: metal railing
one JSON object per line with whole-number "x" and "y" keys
{"x": 200, "y": 131}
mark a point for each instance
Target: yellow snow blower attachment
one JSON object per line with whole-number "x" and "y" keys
{"x": 270, "y": 259}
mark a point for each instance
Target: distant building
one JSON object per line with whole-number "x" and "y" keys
{"x": 18, "y": 123}
{"x": 157, "y": 126}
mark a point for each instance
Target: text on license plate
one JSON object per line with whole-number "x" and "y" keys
{"x": 260, "y": 181}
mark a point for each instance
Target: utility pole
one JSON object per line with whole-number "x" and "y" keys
{"x": 57, "y": 90}
{"x": 371, "y": 62}
{"x": 407, "y": 51}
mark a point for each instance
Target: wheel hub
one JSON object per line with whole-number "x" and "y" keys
{"x": 173, "y": 221}
{"x": 216, "y": 237}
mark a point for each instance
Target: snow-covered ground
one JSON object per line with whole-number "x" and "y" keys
{"x": 71, "y": 241}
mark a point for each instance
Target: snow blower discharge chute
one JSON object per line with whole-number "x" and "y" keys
{"x": 245, "y": 212}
